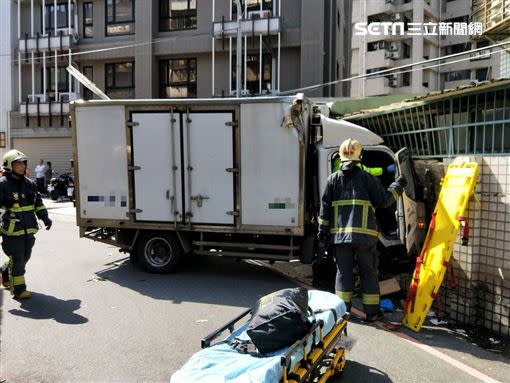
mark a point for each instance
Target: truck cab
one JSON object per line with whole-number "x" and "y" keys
{"x": 402, "y": 225}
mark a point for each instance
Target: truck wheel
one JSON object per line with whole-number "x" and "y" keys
{"x": 159, "y": 252}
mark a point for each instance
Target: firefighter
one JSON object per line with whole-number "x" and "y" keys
{"x": 348, "y": 222}
{"x": 20, "y": 203}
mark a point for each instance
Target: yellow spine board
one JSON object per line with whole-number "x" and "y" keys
{"x": 457, "y": 188}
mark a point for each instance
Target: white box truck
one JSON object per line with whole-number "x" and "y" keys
{"x": 243, "y": 177}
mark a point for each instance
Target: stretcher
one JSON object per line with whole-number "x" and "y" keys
{"x": 316, "y": 354}
{"x": 431, "y": 265}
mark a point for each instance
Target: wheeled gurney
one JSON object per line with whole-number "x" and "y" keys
{"x": 221, "y": 363}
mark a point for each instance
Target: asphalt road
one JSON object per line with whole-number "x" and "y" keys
{"x": 93, "y": 317}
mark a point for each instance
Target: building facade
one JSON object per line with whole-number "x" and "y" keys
{"x": 374, "y": 53}
{"x": 164, "y": 49}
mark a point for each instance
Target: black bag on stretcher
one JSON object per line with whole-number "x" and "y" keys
{"x": 279, "y": 319}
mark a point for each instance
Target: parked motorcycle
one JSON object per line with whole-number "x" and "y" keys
{"x": 61, "y": 186}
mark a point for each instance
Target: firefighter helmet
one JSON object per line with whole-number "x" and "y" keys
{"x": 350, "y": 150}
{"x": 12, "y": 156}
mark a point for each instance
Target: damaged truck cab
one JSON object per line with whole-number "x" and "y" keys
{"x": 166, "y": 179}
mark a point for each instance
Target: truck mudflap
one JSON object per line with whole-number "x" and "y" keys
{"x": 431, "y": 265}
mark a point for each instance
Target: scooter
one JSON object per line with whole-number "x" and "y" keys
{"x": 61, "y": 186}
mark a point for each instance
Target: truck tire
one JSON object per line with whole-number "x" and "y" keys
{"x": 159, "y": 252}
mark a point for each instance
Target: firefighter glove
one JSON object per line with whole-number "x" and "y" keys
{"x": 47, "y": 223}
{"x": 401, "y": 180}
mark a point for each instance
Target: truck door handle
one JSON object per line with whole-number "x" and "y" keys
{"x": 199, "y": 198}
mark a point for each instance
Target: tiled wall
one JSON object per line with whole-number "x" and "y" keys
{"x": 482, "y": 268}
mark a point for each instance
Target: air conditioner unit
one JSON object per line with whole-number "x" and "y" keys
{"x": 265, "y": 14}
{"x": 67, "y": 96}
{"x": 32, "y": 98}
{"x": 396, "y": 17}
{"x": 395, "y": 55}
{"x": 393, "y": 77}
{"x": 393, "y": 83}
{"x": 394, "y": 46}
{"x": 387, "y": 54}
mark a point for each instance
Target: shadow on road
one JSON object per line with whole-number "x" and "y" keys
{"x": 211, "y": 280}
{"x": 41, "y": 306}
{"x": 357, "y": 372}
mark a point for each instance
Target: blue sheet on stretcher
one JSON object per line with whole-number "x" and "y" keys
{"x": 222, "y": 364}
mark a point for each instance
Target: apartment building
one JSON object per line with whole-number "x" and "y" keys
{"x": 495, "y": 18}
{"x": 164, "y": 49}
{"x": 374, "y": 53}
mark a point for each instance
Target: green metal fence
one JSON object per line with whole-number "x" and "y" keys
{"x": 475, "y": 123}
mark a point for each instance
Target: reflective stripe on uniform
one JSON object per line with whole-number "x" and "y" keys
{"x": 394, "y": 193}
{"x": 357, "y": 230}
{"x": 345, "y": 295}
{"x": 347, "y": 202}
{"x": 324, "y": 222}
{"x": 18, "y": 280}
{"x": 22, "y": 209}
{"x": 374, "y": 171}
{"x": 12, "y": 233}
{"x": 370, "y": 299}
{"x": 364, "y": 217}
{"x": 39, "y": 208}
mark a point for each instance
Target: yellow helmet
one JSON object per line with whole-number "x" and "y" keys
{"x": 350, "y": 150}
{"x": 10, "y": 157}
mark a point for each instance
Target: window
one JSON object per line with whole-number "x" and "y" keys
{"x": 482, "y": 74}
{"x": 456, "y": 48}
{"x": 177, "y": 15}
{"x": 406, "y": 79}
{"x": 120, "y": 17}
{"x": 252, "y": 69}
{"x": 120, "y": 81}
{"x": 88, "y": 71}
{"x": 62, "y": 16}
{"x": 376, "y": 45}
{"x": 178, "y": 78}
{"x": 458, "y": 75}
{"x": 62, "y": 81}
{"x": 407, "y": 50}
{"x": 88, "y": 23}
{"x": 252, "y": 8}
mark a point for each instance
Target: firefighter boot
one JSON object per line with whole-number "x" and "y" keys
{"x": 23, "y": 295}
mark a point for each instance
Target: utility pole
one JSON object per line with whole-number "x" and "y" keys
{"x": 239, "y": 49}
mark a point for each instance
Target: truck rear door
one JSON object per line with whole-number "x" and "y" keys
{"x": 182, "y": 163}
{"x": 156, "y": 158}
{"x": 208, "y": 164}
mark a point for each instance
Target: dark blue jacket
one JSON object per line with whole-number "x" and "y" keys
{"x": 22, "y": 205}
{"x": 348, "y": 202}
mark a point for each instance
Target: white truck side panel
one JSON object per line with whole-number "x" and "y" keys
{"x": 102, "y": 162}
{"x": 153, "y": 146}
{"x": 211, "y": 146}
{"x": 270, "y": 167}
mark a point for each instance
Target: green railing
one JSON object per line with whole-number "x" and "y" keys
{"x": 468, "y": 124}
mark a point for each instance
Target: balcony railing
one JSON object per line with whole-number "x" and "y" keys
{"x": 254, "y": 26}
{"x": 494, "y": 16}
{"x": 45, "y": 43}
{"x": 42, "y": 105}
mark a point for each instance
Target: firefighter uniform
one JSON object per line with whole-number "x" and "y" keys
{"x": 21, "y": 205}
{"x": 347, "y": 220}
